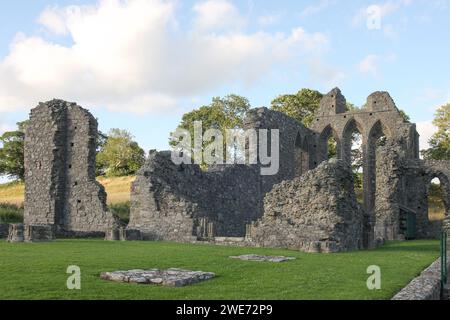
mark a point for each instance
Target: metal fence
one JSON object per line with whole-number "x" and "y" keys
{"x": 444, "y": 270}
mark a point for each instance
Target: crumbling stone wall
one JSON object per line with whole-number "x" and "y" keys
{"x": 4, "y": 229}
{"x": 317, "y": 212}
{"x": 379, "y": 117}
{"x": 60, "y": 186}
{"x": 183, "y": 203}
{"x": 420, "y": 173}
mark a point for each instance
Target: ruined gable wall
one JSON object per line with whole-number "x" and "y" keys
{"x": 44, "y": 155}
{"x": 60, "y": 186}
{"x": 173, "y": 202}
{"x": 378, "y": 117}
{"x": 85, "y": 207}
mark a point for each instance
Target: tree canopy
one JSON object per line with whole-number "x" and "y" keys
{"x": 12, "y": 152}
{"x": 440, "y": 141}
{"x": 120, "y": 154}
{"x": 222, "y": 113}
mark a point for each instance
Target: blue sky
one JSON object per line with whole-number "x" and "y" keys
{"x": 140, "y": 64}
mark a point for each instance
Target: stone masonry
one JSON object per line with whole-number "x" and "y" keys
{"x": 317, "y": 212}
{"x": 62, "y": 197}
{"x": 184, "y": 203}
{"x": 309, "y": 205}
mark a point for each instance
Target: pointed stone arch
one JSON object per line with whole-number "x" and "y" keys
{"x": 327, "y": 133}
{"x": 347, "y": 136}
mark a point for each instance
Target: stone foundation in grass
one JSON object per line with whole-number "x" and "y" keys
{"x": 255, "y": 257}
{"x": 169, "y": 278}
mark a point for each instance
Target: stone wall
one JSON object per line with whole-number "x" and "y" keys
{"x": 383, "y": 169}
{"x": 317, "y": 212}
{"x": 60, "y": 186}
{"x": 4, "y": 229}
{"x": 427, "y": 286}
{"x": 184, "y": 203}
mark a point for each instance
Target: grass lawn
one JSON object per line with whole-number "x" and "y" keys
{"x": 38, "y": 271}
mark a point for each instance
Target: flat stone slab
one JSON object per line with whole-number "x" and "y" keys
{"x": 169, "y": 278}
{"x": 255, "y": 257}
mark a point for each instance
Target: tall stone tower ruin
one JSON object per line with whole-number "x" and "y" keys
{"x": 62, "y": 197}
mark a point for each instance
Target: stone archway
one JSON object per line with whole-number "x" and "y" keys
{"x": 444, "y": 181}
{"x": 328, "y": 133}
{"x": 377, "y": 131}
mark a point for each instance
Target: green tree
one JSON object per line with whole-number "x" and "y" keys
{"x": 300, "y": 106}
{"x": 120, "y": 156}
{"x": 100, "y": 167}
{"x": 12, "y": 152}
{"x": 222, "y": 114}
{"x": 440, "y": 141}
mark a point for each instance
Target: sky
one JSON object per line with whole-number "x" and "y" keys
{"x": 140, "y": 64}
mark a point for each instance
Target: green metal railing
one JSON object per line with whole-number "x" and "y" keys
{"x": 444, "y": 275}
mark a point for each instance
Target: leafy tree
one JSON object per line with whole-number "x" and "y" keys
{"x": 100, "y": 167}
{"x": 120, "y": 156}
{"x": 300, "y": 106}
{"x": 12, "y": 152}
{"x": 222, "y": 114}
{"x": 440, "y": 141}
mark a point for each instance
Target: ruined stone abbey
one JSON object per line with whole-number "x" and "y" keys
{"x": 310, "y": 205}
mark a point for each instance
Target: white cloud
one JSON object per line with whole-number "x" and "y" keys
{"x": 133, "y": 56}
{"x": 369, "y": 65}
{"x": 316, "y": 8}
{"x": 426, "y": 130}
{"x": 217, "y": 14}
{"x": 52, "y": 18}
{"x": 385, "y": 9}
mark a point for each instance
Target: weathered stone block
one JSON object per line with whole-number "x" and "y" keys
{"x": 132, "y": 235}
{"x": 168, "y": 278}
{"x": 4, "y": 230}
{"x": 39, "y": 233}
{"x": 259, "y": 258}
{"x": 16, "y": 233}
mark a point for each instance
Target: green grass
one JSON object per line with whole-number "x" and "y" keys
{"x": 38, "y": 271}
{"x": 122, "y": 210}
{"x": 10, "y": 213}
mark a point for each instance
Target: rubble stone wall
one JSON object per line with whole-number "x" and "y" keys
{"x": 60, "y": 186}
{"x": 317, "y": 212}
{"x": 184, "y": 203}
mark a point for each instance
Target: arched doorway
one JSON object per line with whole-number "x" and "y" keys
{"x": 438, "y": 199}
{"x": 436, "y": 206}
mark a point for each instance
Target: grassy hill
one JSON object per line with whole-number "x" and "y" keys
{"x": 118, "y": 190}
